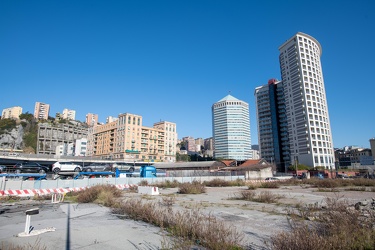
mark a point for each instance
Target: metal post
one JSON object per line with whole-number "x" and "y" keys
{"x": 27, "y": 225}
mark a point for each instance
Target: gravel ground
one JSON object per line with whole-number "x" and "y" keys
{"x": 94, "y": 227}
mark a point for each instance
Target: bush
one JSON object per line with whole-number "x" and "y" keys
{"x": 271, "y": 184}
{"x": 143, "y": 183}
{"x": 192, "y": 188}
{"x": 264, "y": 196}
{"x": 168, "y": 184}
{"x": 101, "y": 194}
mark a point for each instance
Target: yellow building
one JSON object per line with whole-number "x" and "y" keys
{"x": 127, "y": 140}
{"x": 11, "y": 113}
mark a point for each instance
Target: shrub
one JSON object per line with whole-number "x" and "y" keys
{"x": 264, "y": 196}
{"x": 271, "y": 184}
{"x": 253, "y": 186}
{"x": 168, "y": 184}
{"x": 143, "y": 183}
{"x": 363, "y": 182}
{"x": 217, "y": 182}
{"x": 101, "y": 194}
{"x": 10, "y": 198}
{"x": 195, "y": 187}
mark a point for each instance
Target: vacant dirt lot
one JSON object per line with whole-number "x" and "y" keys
{"x": 94, "y": 227}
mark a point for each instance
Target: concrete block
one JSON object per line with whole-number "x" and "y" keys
{"x": 148, "y": 190}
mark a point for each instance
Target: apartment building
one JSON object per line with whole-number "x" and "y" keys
{"x": 170, "y": 140}
{"x": 11, "y": 113}
{"x": 189, "y": 143}
{"x": 69, "y": 114}
{"x": 272, "y": 124}
{"x": 209, "y": 143}
{"x": 41, "y": 111}
{"x": 293, "y": 119}
{"x": 231, "y": 129}
{"x": 127, "y": 139}
{"x": 92, "y": 119}
{"x": 110, "y": 119}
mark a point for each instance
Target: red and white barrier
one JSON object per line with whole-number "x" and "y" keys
{"x": 32, "y": 192}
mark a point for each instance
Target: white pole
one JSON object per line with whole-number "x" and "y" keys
{"x": 27, "y": 225}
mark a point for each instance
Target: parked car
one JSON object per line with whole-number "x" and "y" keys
{"x": 123, "y": 166}
{"x": 66, "y": 166}
{"x": 97, "y": 167}
{"x": 28, "y": 167}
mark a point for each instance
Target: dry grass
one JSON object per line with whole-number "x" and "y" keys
{"x": 167, "y": 184}
{"x": 263, "y": 196}
{"x": 38, "y": 197}
{"x": 223, "y": 183}
{"x": 35, "y": 246}
{"x": 9, "y": 198}
{"x": 143, "y": 183}
{"x": 336, "y": 227}
{"x": 195, "y": 187}
{"x": 271, "y": 184}
{"x": 101, "y": 194}
{"x": 189, "y": 227}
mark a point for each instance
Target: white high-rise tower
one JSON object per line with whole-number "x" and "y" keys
{"x": 231, "y": 129}
{"x": 306, "y": 106}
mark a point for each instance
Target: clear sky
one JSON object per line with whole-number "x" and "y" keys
{"x": 172, "y": 59}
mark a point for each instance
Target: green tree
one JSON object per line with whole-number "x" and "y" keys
{"x": 7, "y": 125}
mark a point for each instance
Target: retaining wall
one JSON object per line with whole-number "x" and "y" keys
{"x": 32, "y": 187}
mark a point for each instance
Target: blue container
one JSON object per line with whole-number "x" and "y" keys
{"x": 147, "y": 171}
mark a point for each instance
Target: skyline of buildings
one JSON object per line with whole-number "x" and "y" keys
{"x": 292, "y": 119}
{"x": 231, "y": 129}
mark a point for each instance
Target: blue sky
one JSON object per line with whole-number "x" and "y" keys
{"x": 171, "y": 60}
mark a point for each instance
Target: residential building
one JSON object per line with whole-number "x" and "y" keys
{"x": 77, "y": 148}
{"x": 293, "y": 119}
{"x": 80, "y": 147}
{"x": 61, "y": 150}
{"x": 189, "y": 143}
{"x": 208, "y": 143}
{"x": 11, "y": 113}
{"x": 41, "y": 111}
{"x": 69, "y": 114}
{"x": 351, "y": 156}
{"x": 170, "y": 140}
{"x": 200, "y": 142}
{"x": 126, "y": 139}
{"x": 50, "y": 136}
{"x": 309, "y": 128}
{"x": 231, "y": 129}
{"x": 272, "y": 124}
{"x": 92, "y": 119}
{"x": 110, "y": 119}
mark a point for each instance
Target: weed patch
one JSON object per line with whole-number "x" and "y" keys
{"x": 195, "y": 187}
{"x": 263, "y": 196}
{"x": 336, "y": 227}
{"x": 189, "y": 227}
